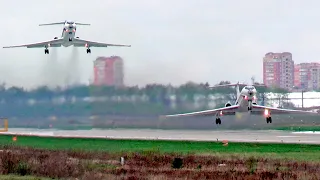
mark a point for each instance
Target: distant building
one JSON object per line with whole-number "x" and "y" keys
{"x": 307, "y": 76}
{"x": 314, "y": 82}
{"x": 278, "y": 70}
{"x": 108, "y": 71}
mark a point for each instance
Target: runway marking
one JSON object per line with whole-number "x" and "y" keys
{"x": 288, "y": 136}
{"x": 307, "y": 132}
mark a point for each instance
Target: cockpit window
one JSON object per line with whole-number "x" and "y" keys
{"x": 70, "y": 22}
{"x": 249, "y": 87}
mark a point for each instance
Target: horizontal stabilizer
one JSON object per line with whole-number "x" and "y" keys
{"x": 83, "y": 24}
{"x": 58, "y": 23}
{"x": 238, "y": 84}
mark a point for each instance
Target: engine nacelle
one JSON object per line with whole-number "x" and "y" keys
{"x": 227, "y": 104}
{"x": 55, "y": 37}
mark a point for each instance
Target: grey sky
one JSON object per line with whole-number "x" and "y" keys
{"x": 172, "y": 41}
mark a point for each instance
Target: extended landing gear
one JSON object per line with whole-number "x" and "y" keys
{"x": 218, "y": 120}
{"x": 46, "y": 51}
{"x": 269, "y": 119}
{"x": 249, "y": 105}
{"x": 88, "y": 50}
{"x": 70, "y": 39}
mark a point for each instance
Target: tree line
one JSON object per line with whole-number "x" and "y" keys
{"x": 151, "y": 90}
{"x": 151, "y": 99}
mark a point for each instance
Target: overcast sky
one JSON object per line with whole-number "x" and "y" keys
{"x": 173, "y": 41}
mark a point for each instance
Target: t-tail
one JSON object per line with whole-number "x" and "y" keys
{"x": 236, "y": 85}
{"x": 64, "y": 22}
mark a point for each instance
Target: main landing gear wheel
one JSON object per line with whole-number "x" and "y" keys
{"x": 88, "y": 51}
{"x": 250, "y": 106}
{"x": 218, "y": 121}
{"x": 269, "y": 120}
{"x": 46, "y": 51}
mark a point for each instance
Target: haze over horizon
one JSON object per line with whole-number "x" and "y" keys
{"x": 172, "y": 41}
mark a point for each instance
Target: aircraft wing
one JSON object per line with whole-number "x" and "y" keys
{"x": 51, "y": 43}
{"x": 230, "y": 110}
{"x": 261, "y": 109}
{"x": 83, "y": 43}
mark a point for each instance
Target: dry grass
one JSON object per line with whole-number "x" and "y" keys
{"x": 148, "y": 165}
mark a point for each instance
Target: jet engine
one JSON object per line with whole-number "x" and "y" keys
{"x": 227, "y": 104}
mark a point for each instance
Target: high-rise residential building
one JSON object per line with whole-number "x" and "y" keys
{"x": 278, "y": 70}
{"x": 307, "y": 76}
{"x": 108, "y": 71}
{"x": 314, "y": 82}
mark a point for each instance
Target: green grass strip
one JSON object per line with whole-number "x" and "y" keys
{"x": 291, "y": 151}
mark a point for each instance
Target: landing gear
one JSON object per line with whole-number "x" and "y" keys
{"x": 46, "y": 51}
{"x": 88, "y": 50}
{"x": 269, "y": 119}
{"x": 70, "y": 39}
{"x": 218, "y": 120}
{"x": 249, "y": 105}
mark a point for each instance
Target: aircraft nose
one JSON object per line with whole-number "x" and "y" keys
{"x": 250, "y": 93}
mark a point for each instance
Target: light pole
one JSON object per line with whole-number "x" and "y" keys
{"x": 302, "y": 97}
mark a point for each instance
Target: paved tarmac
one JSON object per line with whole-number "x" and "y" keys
{"x": 193, "y": 135}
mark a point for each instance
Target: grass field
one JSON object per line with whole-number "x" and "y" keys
{"x": 298, "y": 128}
{"x": 147, "y": 159}
{"x": 151, "y": 165}
{"x": 287, "y": 151}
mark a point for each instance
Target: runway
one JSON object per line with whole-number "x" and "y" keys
{"x": 192, "y": 135}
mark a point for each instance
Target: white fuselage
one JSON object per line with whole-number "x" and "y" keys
{"x": 68, "y": 34}
{"x": 246, "y": 98}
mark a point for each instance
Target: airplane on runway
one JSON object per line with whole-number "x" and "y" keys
{"x": 246, "y": 102}
{"x": 67, "y": 39}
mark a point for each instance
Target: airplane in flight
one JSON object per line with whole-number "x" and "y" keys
{"x": 67, "y": 39}
{"x": 246, "y": 102}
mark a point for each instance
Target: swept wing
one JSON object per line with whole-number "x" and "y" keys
{"x": 230, "y": 110}
{"x": 260, "y": 109}
{"x": 82, "y": 43}
{"x": 51, "y": 43}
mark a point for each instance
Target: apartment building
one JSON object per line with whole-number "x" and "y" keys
{"x": 278, "y": 70}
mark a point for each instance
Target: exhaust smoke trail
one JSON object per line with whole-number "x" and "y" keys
{"x": 61, "y": 71}
{"x": 51, "y": 76}
{"x": 73, "y": 68}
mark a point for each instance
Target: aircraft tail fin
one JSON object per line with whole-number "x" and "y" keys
{"x": 238, "y": 89}
{"x": 49, "y": 24}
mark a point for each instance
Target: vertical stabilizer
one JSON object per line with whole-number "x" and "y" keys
{"x": 238, "y": 89}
